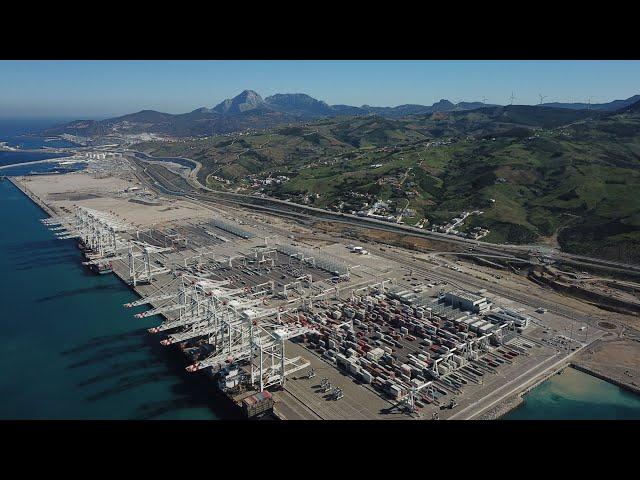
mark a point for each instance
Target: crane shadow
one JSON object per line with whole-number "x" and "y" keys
{"x": 81, "y": 291}
{"x": 155, "y": 409}
{"x": 105, "y": 340}
{"x": 120, "y": 369}
{"x": 33, "y": 263}
{"x": 107, "y": 353}
{"x": 34, "y": 246}
{"x": 130, "y": 382}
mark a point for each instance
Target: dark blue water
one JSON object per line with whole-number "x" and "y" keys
{"x": 27, "y": 133}
{"x": 574, "y": 395}
{"x": 19, "y": 133}
{"x": 68, "y": 348}
{"x": 38, "y": 168}
{"x": 9, "y": 158}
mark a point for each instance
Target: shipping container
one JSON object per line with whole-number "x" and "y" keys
{"x": 257, "y": 404}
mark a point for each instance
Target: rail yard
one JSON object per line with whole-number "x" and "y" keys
{"x": 310, "y": 326}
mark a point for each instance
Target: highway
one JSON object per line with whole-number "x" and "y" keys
{"x": 173, "y": 184}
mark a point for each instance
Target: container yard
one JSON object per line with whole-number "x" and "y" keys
{"x": 303, "y": 329}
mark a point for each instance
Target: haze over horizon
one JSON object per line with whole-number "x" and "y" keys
{"x": 102, "y": 89}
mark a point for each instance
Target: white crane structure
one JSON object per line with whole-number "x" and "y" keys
{"x": 266, "y": 240}
{"x": 199, "y": 258}
{"x": 97, "y": 230}
{"x": 409, "y": 399}
{"x": 306, "y": 279}
{"x": 235, "y": 322}
{"x": 142, "y": 266}
{"x": 265, "y": 255}
{"x": 98, "y": 234}
{"x": 467, "y": 351}
{"x": 325, "y": 262}
{"x": 143, "y": 270}
{"x": 269, "y": 364}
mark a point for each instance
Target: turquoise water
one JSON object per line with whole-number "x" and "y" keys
{"x": 574, "y": 395}
{"x": 68, "y": 349}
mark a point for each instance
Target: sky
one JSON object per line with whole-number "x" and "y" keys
{"x": 101, "y": 89}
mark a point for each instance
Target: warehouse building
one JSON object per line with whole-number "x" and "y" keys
{"x": 507, "y": 315}
{"x": 467, "y": 301}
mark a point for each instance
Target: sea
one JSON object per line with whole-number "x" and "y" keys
{"x": 575, "y": 395}
{"x": 22, "y": 134}
{"x": 69, "y": 349}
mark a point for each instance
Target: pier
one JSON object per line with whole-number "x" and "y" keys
{"x": 255, "y": 313}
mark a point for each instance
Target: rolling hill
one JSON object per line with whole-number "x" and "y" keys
{"x": 558, "y": 177}
{"x": 248, "y": 110}
{"x": 603, "y": 107}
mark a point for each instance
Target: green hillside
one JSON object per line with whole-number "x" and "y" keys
{"x": 538, "y": 174}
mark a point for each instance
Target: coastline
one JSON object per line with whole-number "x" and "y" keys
{"x": 496, "y": 412}
{"x": 515, "y": 401}
{"x": 140, "y": 290}
{"x": 595, "y": 373}
{"x": 32, "y": 196}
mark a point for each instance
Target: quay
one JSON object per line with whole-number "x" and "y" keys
{"x": 361, "y": 336}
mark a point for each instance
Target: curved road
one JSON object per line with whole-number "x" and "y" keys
{"x": 203, "y": 193}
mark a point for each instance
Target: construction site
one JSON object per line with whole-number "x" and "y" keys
{"x": 290, "y": 323}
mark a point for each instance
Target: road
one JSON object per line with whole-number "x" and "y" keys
{"x": 462, "y": 280}
{"x": 518, "y": 384}
{"x": 197, "y": 191}
{"x": 172, "y": 184}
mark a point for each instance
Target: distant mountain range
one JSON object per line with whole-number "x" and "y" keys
{"x": 249, "y": 110}
{"x": 602, "y": 107}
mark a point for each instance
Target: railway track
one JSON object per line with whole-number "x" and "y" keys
{"x": 175, "y": 188}
{"x": 310, "y": 214}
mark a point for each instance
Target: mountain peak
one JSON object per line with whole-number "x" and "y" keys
{"x": 202, "y": 110}
{"x": 298, "y": 103}
{"x": 442, "y": 104}
{"x": 245, "y": 101}
{"x": 249, "y": 95}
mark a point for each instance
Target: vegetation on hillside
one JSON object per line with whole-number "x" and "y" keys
{"x": 537, "y": 174}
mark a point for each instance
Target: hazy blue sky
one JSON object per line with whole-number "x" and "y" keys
{"x": 108, "y": 88}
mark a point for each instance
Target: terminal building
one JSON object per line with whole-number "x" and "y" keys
{"x": 467, "y": 301}
{"x": 508, "y": 315}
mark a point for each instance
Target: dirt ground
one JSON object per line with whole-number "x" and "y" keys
{"x": 390, "y": 238}
{"x": 618, "y": 359}
{"x": 104, "y": 193}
